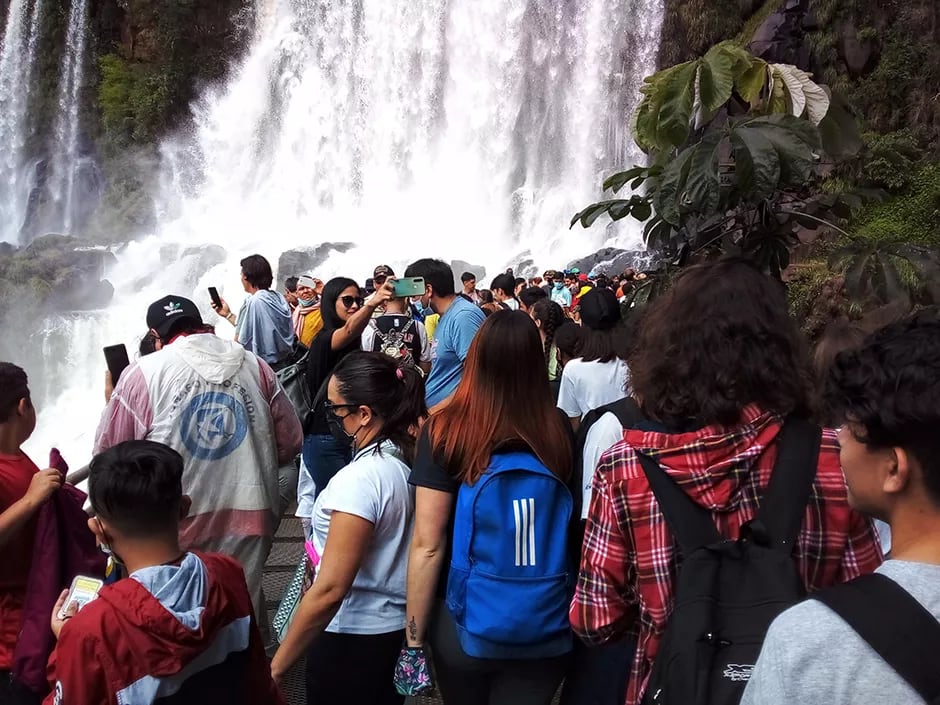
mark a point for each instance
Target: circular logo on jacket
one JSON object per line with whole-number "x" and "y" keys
{"x": 213, "y": 425}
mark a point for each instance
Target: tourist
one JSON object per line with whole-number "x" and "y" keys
{"x": 486, "y": 296}
{"x": 307, "y": 318}
{"x": 459, "y": 322}
{"x": 221, "y": 408}
{"x": 716, "y": 367}
{"x": 567, "y": 342}
{"x": 469, "y": 281}
{"x": 549, "y": 317}
{"x": 180, "y": 627}
{"x": 503, "y": 288}
{"x": 886, "y": 395}
{"x": 560, "y": 294}
{"x": 520, "y": 285}
{"x": 24, "y": 488}
{"x": 399, "y": 335}
{"x": 290, "y": 291}
{"x": 483, "y": 426}
{"x": 263, "y": 325}
{"x": 351, "y": 622}
{"x": 345, "y": 317}
{"x": 529, "y": 296}
{"x": 599, "y": 375}
{"x": 381, "y": 274}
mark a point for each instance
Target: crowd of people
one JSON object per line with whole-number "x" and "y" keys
{"x": 504, "y": 492}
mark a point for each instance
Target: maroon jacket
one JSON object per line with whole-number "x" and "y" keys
{"x": 125, "y": 647}
{"x": 64, "y": 547}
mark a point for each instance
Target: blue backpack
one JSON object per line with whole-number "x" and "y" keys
{"x": 509, "y": 580}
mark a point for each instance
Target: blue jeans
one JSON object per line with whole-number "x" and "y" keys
{"x": 324, "y": 456}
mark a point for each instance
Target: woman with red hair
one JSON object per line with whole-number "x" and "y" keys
{"x": 505, "y": 366}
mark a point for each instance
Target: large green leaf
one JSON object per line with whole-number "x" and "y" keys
{"x": 675, "y": 112}
{"x": 838, "y": 130}
{"x": 595, "y": 211}
{"x": 756, "y": 164}
{"x": 715, "y": 79}
{"x": 701, "y": 194}
{"x": 655, "y": 90}
{"x": 794, "y": 140}
{"x": 666, "y": 200}
{"x": 750, "y": 82}
{"x": 616, "y": 181}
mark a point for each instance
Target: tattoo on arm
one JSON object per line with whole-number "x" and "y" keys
{"x": 413, "y": 629}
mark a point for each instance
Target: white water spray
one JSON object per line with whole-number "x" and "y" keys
{"x": 411, "y": 128}
{"x": 67, "y": 162}
{"x": 18, "y": 47}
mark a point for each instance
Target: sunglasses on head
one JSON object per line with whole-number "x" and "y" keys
{"x": 348, "y": 301}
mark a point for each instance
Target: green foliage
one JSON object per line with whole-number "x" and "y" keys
{"x": 913, "y": 216}
{"x": 690, "y": 27}
{"x": 698, "y": 89}
{"x": 891, "y": 159}
{"x": 756, "y": 20}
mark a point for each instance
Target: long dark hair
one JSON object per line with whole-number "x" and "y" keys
{"x": 551, "y": 316}
{"x": 719, "y": 339}
{"x": 331, "y": 292}
{"x": 394, "y": 393}
{"x": 504, "y": 365}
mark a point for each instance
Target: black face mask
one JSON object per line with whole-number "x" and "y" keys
{"x": 339, "y": 433}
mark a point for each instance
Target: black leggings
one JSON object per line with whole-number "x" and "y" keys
{"x": 464, "y": 680}
{"x": 354, "y": 669}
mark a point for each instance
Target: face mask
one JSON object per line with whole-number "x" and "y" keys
{"x": 106, "y": 549}
{"x": 420, "y": 307}
{"x": 559, "y": 285}
{"x": 339, "y": 433}
{"x": 307, "y": 302}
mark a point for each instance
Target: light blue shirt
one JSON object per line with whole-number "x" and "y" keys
{"x": 562, "y": 296}
{"x": 265, "y": 327}
{"x": 449, "y": 348}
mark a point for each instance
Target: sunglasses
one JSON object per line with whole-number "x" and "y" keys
{"x": 348, "y": 301}
{"x": 330, "y": 408}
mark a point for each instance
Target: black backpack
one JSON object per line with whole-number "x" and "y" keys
{"x": 729, "y": 591}
{"x": 900, "y": 629}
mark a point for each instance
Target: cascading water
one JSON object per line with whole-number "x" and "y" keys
{"x": 18, "y": 47}
{"x": 411, "y": 128}
{"x": 67, "y": 161}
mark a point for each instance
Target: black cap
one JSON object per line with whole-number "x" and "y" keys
{"x": 164, "y": 312}
{"x": 600, "y": 309}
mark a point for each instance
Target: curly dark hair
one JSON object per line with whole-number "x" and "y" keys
{"x": 889, "y": 389}
{"x": 719, "y": 339}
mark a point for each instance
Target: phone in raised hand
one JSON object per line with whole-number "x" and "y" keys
{"x": 116, "y": 358}
{"x": 409, "y": 286}
{"x": 214, "y": 295}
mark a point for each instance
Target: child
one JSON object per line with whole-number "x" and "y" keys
{"x": 180, "y": 628}
{"x": 23, "y": 490}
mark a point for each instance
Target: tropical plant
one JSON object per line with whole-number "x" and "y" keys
{"x": 884, "y": 272}
{"x": 734, "y": 143}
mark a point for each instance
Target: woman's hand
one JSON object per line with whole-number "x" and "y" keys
{"x": 56, "y": 622}
{"x": 384, "y": 293}
{"x": 108, "y": 386}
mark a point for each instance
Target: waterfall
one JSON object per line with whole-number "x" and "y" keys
{"x": 18, "y": 47}
{"x": 68, "y": 162}
{"x": 457, "y": 129}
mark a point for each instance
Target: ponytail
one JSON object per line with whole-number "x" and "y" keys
{"x": 551, "y": 316}
{"x": 394, "y": 392}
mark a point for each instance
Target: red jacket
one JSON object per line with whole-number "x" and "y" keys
{"x": 125, "y": 647}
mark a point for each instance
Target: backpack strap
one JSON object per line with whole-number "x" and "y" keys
{"x": 783, "y": 505}
{"x": 901, "y": 630}
{"x": 691, "y": 524}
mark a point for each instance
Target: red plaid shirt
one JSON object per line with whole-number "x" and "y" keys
{"x": 629, "y": 558}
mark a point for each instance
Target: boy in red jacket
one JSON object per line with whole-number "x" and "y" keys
{"x": 180, "y": 628}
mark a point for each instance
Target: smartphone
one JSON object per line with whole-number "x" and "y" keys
{"x": 409, "y": 286}
{"x": 116, "y": 357}
{"x": 214, "y": 295}
{"x": 83, "y": 591}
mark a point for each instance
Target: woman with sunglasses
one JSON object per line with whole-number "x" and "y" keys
{"x": 345, "y": 317}
{"x": 352, "y": 619}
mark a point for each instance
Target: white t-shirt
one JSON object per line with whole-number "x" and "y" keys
{"x": 588, "y": 385}
{"x": 604, "y": 433}
{"x": 373, "y": 486}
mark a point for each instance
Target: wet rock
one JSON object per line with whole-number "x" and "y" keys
{"x": 860, "y": 55}
{"x": 306, "y": 260}
{"x": 459, "y": 267}
{"x": 612, "y": 260}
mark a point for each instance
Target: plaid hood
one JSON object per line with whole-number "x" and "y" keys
{"x": 712, "y": 463}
